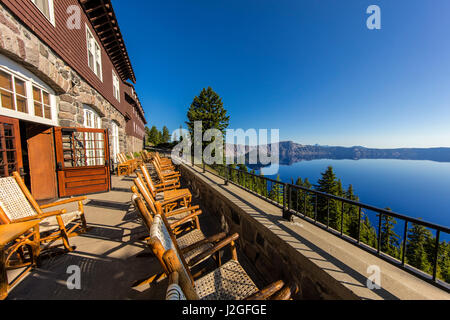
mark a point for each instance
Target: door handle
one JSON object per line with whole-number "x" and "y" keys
{"x": 59, "y": 166}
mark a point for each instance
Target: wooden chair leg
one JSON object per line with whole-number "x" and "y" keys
{"x": 3, "y": 275}
{"x": 64, "y": 235}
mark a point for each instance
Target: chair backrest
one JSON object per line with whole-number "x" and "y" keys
{"x": 158, "y": 171}
{"x": 122, "y": 158}
{"x": 148, "y": 180}
{"x": 146, "y": 194}
{"x": 160, "y": 232}
{"x": 139, "y": 204}
{"x": 16, "y": 201}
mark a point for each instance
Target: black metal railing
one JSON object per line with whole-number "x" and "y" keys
{"x": 316, "y": 207}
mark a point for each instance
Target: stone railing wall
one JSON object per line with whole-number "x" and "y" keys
{"x": 272, "y": 257}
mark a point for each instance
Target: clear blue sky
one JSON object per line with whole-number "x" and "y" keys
{"x": 309, "y": 68}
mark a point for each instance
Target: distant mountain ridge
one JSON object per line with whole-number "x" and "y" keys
{"x": 291, "y": 152}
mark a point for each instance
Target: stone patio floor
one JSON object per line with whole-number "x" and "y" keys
{"x": 112, "y": 255}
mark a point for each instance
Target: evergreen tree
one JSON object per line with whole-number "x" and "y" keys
{"x": 416, "y": 252}
{"x": 276, "y": 193}
{"x": 329, "y": 184}
{"x": 389, "y": 239}
{"x": 147, "y": 135}
{"x": 208, "y": 108}
{"x": 352, "y": 213}
{"x": 154, "y": 136}
{"x": 165, "y": 135}
{"x": 368, "y": 232}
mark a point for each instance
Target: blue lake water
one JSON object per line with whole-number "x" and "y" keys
{"x": 418, "y": 189}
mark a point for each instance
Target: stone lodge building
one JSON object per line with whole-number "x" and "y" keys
{"x": 67, "y": 101}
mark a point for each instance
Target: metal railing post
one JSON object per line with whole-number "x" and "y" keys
{"x": 436, "y": 255}
{"x": 226, "y": 175}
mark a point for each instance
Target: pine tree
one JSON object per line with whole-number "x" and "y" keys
{"x": 368, "y": 232}
{"x": 276, "y": 193}
{"x": 154, "y": 136}
{"x": 389, "y": 239}
{"x": 352, "y": 213}
{"x": 416, "y": 252}
{"x": 165, "y": 135}
{"x": 328, "y": 184}
{"x": 208, "y": 108}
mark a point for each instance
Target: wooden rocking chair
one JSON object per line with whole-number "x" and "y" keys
{"x": 164, "y": 161}
{"x": 228, "y": 282}
{"x": 164, "y": 165}
{"x": 18, "y": 205}
{"x": 169, "y": 185}
{"x": 124, "y": 167}
{"x": 166, "y": 177}
{"x": 177, "y": 202}
{"x": 138, "y": 161}
{"x": 191, "y": 243}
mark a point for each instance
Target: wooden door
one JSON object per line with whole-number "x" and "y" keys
{"x": 10, "y": 147}
{"x": 82, "y": 157}
{"x": 42, "y": 163}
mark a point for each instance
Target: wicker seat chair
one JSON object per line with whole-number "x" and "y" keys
{"x": 146, "y": 157}
{"x": 191, "y": 243}
{"x": 18, "y": 205}
{"x": 166, "y": 177}
{"x": 164, "y": 165}
{"x": 165, "y": 161}
{"x": 138, "y": 161}
{"x": 168, "y": 185}
{"x": 227, "y": 282}
{"x": 124, "y": 167}
{"x": 174, "y": 209}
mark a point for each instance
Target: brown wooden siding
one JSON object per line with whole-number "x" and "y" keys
{"x": 71, "y": 45}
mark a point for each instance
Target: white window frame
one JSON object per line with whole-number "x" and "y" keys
{"x": 95, "y": 123}
{"x": 115, "y": 145}
{"x": 19, "y": 72}
{"x": 51, "y": 11}
{"x": 116, "y": 86}
{"x": 96, "y": 53}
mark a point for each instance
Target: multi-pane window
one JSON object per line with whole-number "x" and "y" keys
{"x": 116, "y": 86}
{"x": 13, "y": 92}
{"x": 41, "y": 100}
{"x": 94, "y": 54}
{"x": 94, "y": 142}
{"x": 46, "y": 7}
{"x": 8, "y": 152}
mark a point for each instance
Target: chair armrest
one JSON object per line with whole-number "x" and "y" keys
{"x": 185, "y": 219}
{"x": 171, "y": 174}
{"x": 214, "y": 238}
{"x": 62, "y": 202}
{"x": 213, "y": 250}
{"x": 42, "y": 216}
{"x": 267, "y": 292}
{"x": 172, "y": 200}
{"x": 178, "y": 211}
